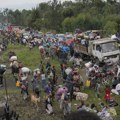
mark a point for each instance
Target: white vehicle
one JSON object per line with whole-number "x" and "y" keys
{"x": 103, "y": 50}
{"x": 69, "y": 37}
{"x": 60, "y": 37}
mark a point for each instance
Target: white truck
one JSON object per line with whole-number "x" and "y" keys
{"x": 103, "y": 50}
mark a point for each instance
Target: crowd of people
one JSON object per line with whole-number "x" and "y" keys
{"x": 66, "y": 84}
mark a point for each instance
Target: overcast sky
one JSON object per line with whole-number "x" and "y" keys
{"x": 21, "y": 4}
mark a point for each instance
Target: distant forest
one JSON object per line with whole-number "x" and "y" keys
{"x": 67, "y": 16}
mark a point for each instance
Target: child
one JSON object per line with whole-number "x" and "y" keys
{"x": 107, "y": 93}
{"x": 48, "y": 105}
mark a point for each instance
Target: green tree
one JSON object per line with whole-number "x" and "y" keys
{"x": 111, "y": 27}
{"x": 68, "y": 24}
{"x": 68, "y": 12}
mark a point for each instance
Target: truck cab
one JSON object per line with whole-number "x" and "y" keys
{"x": 104, "y": 50}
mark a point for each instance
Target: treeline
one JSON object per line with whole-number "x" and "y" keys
{"x": 61, "y": 17}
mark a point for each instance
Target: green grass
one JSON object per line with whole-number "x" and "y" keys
{"x": 10, "y": 91}
{"x": 32, "y": 60}
{"x": 28, "y": 58}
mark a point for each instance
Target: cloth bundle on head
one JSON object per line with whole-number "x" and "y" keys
{"x": 41, "y": 47}
{"x": 25, "y": 70}
{"x": 13, "y": 58}
{"x": 68, "y": 70}
{"x": 87, "y": 65}
{"x": 37, "y": 70}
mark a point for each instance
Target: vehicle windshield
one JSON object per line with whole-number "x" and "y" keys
{"x": 69, "y": 37}
{"x": 50, "y": 35}
{"x": 109, "y": 47}
{"x": 61, "y": 35}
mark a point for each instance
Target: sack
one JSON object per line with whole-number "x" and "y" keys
{"x": 81, "y": 96}
{"x": 25, "y": 70}
{"x": 112, "y": 111}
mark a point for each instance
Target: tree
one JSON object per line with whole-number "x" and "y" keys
{"x": 68, "y": 12}
{"x": 68, "y": 24}
{"x": 66, "y": 16}
{"x": 55, "y": 15}
{"x": 111, "y": 27}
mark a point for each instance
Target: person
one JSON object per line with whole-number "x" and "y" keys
{"x": 54, "y": 74}
{"x": 82, "y": 106}
{"x": 24, "y": 89}
{"x": 2, "y": 71}
{"x": 49, "y": 105}
{"x": 66, "y": 105}
{"x": 43, "y": 79}
{"x": 98, "y": 87}
{"x": 48, "y": 89}
{"x": 82, "y": 115}
{"x": 107, "y": 93}
{"x": 41, "y": 66}
{"x": 34, "y": 81}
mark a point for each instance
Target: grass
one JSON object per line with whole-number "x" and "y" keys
{"x": 28, "y": 58}
{"x": 32, "y": 60}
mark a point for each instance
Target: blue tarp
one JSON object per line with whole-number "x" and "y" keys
{"x": 66, "y": 49}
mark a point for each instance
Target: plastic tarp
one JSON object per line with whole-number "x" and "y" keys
{"x": 66, "y": 49}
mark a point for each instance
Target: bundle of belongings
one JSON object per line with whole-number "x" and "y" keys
{"x": 2, "y": 69}
{"x": 116, "y": 90}
{"x": 81, "y": 96}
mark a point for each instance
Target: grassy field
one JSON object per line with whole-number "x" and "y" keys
{"x": 32, "y": 60}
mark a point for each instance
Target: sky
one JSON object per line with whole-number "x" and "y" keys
{"x": 20, "y": 4}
